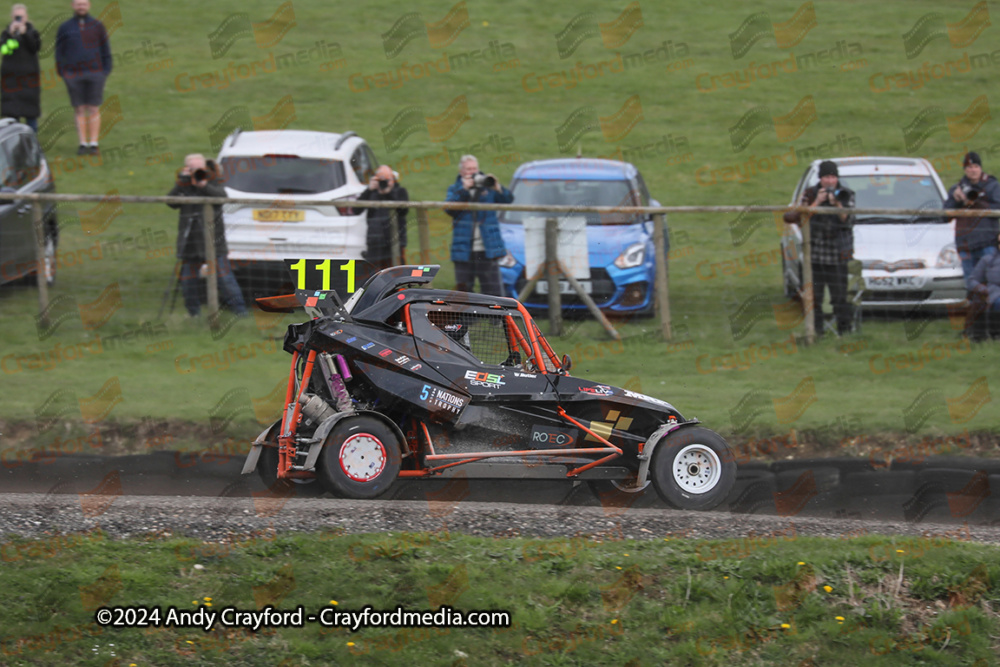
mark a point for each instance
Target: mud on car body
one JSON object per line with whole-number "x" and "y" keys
{"x": 404, "y": 381}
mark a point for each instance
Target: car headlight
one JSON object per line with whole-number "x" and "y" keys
{"x": 508, "y": 261}
{"x": 631, "y": 256}
{"x": 948, "y": 258}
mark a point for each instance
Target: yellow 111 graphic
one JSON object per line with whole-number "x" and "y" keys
{"x": 304, "y": 271}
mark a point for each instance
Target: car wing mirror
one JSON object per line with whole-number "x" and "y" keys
{"x": 567, "y": 362}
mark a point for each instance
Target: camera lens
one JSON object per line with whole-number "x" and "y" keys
{"x": 383, "y": 183}
{"x": 199, "y": 175}
{"x": 489, "y": 182}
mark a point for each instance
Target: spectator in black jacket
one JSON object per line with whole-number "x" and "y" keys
{"x": 983, "y": 316}
{"x": 83, "y": 60}
{"x": 832, "y": 245}
{"x": 383, "y": 187}
{"x": 20, "y": 89}
{"x": 199, "y": 178}
{"x": 975, "y": 238}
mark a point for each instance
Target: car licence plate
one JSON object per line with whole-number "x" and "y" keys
{"x": 277, "y": 215}
{"x": 542, "y": 287}
{"x": 893, "y": 282}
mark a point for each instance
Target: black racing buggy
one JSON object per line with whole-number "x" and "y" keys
{"x": 404, "y": 381}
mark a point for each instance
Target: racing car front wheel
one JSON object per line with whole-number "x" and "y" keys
{"x": 267, "y": 467}
{"x": 693, "y": 469}
{"x": 360, "y": 459}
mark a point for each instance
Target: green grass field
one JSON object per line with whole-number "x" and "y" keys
{"x": 585, "y": 600}
{"x": 676, "y": 601}
{"x": 334, "y": 74}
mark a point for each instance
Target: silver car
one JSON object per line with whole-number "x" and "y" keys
{"x": 906, "y": 261}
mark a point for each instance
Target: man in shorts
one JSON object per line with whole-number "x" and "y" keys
{"x": 83, "y": 60}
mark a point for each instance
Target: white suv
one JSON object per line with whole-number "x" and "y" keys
{"x": 288, "y": 170}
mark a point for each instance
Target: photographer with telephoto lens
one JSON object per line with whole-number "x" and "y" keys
{"x": 832, "y": 245}
{"x": 202, "y": 178}
{"x": 476, "y": 243}
{"x": 383, "y": 187}
{"x": 975, "y": 238}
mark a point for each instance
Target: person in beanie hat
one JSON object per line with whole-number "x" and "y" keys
{"x": 832, "y": 245}
{"x": 975, "y": 238}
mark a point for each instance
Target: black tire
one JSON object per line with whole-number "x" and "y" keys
{"x": 267, "y": 468}
{"x": 360, "y": 459}
{"x": 693, "y": 469}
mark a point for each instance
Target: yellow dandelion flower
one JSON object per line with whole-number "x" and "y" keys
{"x": 618, "y": 567}
{"x": 626, "y": 555}
{"x": 207, "y": 599}
{"x": 486, "y": 24}
{"x": 333, "y": 602}
{"x": 900, "y": 551}
{"x": 839, "y": 618}
{"x": 726, "y": 577}
{"x": 190, "y": 642}
{"x": 194, "y": 602}
{"x": 208, "y": 604}
{"x": 801, "y": 562}
{"x": 828, "y": 589}
{"x": 350, "y": 643}
{"x": 785, "y": 626}
{"x": 614, "y": 621}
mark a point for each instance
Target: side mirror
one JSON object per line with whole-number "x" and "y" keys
{"x": 567, "y": 362}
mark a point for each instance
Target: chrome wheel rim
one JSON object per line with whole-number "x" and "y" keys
{"x": 697, "y": 469}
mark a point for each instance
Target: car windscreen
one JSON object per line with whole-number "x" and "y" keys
{"x": 282, "y": 174}
{"x": 574, "y": 193}
{"x": 888, "y": 191}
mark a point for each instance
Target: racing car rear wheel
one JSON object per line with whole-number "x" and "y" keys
{"x": 360, "y": 459}
{"x": 693, "y": 469}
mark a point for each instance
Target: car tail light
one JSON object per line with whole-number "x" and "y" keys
{"x": 347, "y": 210}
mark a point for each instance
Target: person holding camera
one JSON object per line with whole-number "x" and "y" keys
{"x": 476, "y": 243}
{"x": 20, "y": 82}
{"x": 975, "y": 238}
{"x": 202, "y": 178}
{"x": 832, "y": 245}
{"x": 383, "y": 187}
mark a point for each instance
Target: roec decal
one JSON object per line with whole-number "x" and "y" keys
{"x": 551, "y": 436}
{"x": 385, "y": 353}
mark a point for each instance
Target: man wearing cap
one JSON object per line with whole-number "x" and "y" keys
{"x": 832, "y": 245}
{"x": 975, "y": 238}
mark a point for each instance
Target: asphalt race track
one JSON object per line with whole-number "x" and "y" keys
{"x": 206, "y": 497}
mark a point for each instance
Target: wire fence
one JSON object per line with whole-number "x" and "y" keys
{"x": 98, "y": 270}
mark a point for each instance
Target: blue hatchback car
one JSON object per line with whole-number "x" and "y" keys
{"x": 610, "y": 254}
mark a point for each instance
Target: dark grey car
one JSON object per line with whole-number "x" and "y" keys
{"x": 23, "y": 169}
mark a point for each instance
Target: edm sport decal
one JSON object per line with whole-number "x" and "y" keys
{"x": 489, "y": 380}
